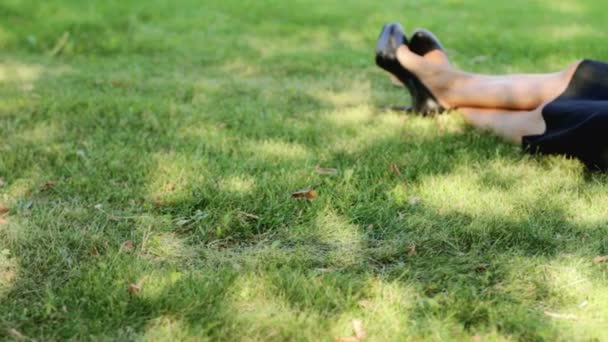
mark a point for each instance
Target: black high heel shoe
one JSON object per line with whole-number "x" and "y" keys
{"x": 424, "y": 41}
{"x": 391, "y": 37}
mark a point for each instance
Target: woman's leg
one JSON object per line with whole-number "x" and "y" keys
{"x": 508, "y": 124}
{"x": 457, "y": 89}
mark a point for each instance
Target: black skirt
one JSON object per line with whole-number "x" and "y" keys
{"x": 577, "y": 121}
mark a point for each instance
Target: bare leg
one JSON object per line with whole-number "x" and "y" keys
{"x": 455, "y": 89}
{"x": 510, "y": 125}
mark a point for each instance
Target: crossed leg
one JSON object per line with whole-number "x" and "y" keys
{"x": 510, "y": 106}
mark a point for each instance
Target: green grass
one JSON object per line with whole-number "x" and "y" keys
{"x": 184, "y": 128}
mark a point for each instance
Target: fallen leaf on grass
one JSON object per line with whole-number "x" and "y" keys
{"x": 47, "y": 186}
{"x": 326, "y": 170}
{"x": 395, "y": 169}
{"x": 477, "y": 338}
{"x": 601, "y": 259}
{"x": 560, "y": 316}
{"x": 127, "y": 246}
{"x": 308, "y": 194}
{"x": 481, "y": 268}
{"x": 4, "y": 210}
{"x": 411, "y": 250}
{"x": 136, "y": 288}
{"x": 2, "y": 182}
{"x": 170, "y": 187}
{"x": 158, "y": 203}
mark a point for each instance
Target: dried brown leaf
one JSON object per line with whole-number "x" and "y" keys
{"x": 326, "y": 170}
{"x": 158, "y": 203}
{"x": 127, "y": 246}
{"x": 47, "y": 186}
{"x": 601, "y": 259}
{"x": 481, "y": 268}
{"x": 95, "y": 252}
{"x": 136, "y": 288}
{"x": 477, "y": 338}
{"x": 4, "y": 210}
{"x": 170, "y": 187}
{"x": 395, "y": 169}
{"x": 411, "y": 250}
{"x": 308, "y": 194}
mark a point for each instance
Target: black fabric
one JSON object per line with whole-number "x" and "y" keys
{"x": 577, "y": 121}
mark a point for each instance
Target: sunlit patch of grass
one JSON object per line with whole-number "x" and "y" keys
{"x": 344, "y": 240}
{"x": 277, "y": 45}
{"x": 26, "y": 183}
{"x": 565, "y": 289}
{"x": 273, "y": 150}
{"x": 358, "y": 93}
{"x": 351, "y": 117}
{"x": 362, "y": 127}
{"x": 167, "y": 247}
{"x": 172, "y": 177}
{"x": 238, "y": 184}
{"x": 19, "y": 72}
{"x": 166, "y": 328}
{"x": 241, "y": 68}
{"x": 266, "y": 315}
{"x": 8, "y": 270}
{"x": 41, "y": 135}
{"x": 568, "y": 7}
{"x": 384, "y": 312}
{"x": 154, "y": 285}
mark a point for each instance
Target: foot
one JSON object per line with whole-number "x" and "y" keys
{"x": 390, "y": 41}
{"x": 424, "y": 43}
{"x": 433, "y": 80}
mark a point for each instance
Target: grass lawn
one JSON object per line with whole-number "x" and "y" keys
{"x": 149, "y": 149}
